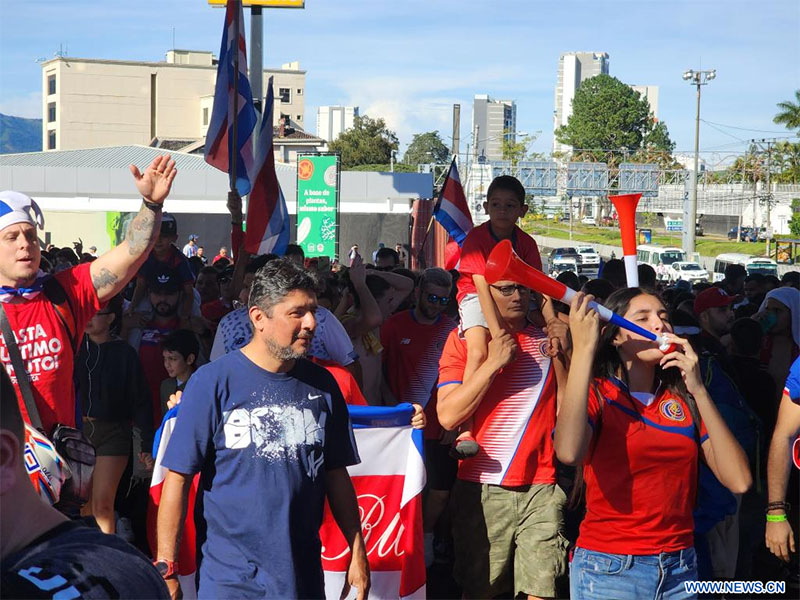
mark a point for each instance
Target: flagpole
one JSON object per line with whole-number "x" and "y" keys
{"x": 420, "y": 255}
{"x": 235, "y": 156}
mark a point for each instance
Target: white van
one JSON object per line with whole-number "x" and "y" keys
{"x": 753, "y": 264}
{"x": 652, "y": 254}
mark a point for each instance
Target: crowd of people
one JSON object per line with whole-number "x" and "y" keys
{"x": 565, "y": 457}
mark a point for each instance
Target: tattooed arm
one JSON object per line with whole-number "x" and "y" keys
{"x": 114, "y": 269}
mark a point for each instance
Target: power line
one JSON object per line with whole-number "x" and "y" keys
{"x": 745, "y": 128}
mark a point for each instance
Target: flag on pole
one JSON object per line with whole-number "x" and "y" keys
{"x": 219, "y": 150}
{"x": 267, "y": 216}
{"x": 451, "y": 209}
{"x": 388, "y": 485}
{"x": 187, "y": 564}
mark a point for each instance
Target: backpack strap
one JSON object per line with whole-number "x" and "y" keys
{"x": 62, "y": 303}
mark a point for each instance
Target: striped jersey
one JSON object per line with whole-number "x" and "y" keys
{"x": 411, "y": 352}
{"x": 515, "y": 419}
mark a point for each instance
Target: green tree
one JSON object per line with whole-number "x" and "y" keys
{"x": 514, "y": 149}
{"x": 794, "y": 222}
{"x": 789, "y": 115}
{"x": 368, "y": 141}
{"x": 609, "y": 115}
{"x": 426, "y": 148}
{"x": 786, "y": 160}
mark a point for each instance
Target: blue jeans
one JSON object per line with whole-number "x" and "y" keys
{"x": 600, "y": 576}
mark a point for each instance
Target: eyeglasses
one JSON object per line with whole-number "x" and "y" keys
{"x": 443, "y": 300}
{"x": 508, "y": 290}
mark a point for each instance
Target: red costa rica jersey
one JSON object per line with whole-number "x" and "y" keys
{"x": 515, "y": 419}
{"x": 640, "y": 473}
{"x": 411, "y": 352}
{"x": 477, "y": 246}
{"x": 45, "y": 346}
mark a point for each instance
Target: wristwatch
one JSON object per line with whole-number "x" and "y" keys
{"x": 166, "y": 568}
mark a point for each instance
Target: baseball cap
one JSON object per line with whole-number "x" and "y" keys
{"x": 713, "y": 297}
{"x": 193, "y": 236}
{"x": 164, "y": 281}
{"x": 169, "y": 226}
{"x": 16, "y": 207}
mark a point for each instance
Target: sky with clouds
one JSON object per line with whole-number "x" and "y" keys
{"x": 408, "y": 61}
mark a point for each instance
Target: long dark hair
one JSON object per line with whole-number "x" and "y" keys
{"x": 608, "y": 363}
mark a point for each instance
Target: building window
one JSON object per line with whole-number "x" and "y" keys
{"x": 51, "y": 84}
{"x": 299, "y": 118}
{"x": 205, "y": 116}
{"x": 285, "y": 95}
{"x": 51, "y": 112}
{"x": 299, "y": 91}
{"x": 51, "y": 139}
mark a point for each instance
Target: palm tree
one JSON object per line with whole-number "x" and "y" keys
{"x": 789, "y": 114}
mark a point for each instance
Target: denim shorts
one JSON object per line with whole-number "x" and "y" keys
{"x": 602, "y": 576}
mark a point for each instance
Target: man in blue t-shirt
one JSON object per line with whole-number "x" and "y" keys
{"x": 270, "y": 435}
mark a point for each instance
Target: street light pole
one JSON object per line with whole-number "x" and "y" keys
{"x": 696, "y": 78}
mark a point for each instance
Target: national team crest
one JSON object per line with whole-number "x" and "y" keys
{"x": 672, "y": 410}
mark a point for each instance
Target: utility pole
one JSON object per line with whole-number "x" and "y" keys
{"x": 769, "y": 194}
{"x": 696, "y": 78}
{"x": 456, "y": 129}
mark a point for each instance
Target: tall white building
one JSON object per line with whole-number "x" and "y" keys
{"x": 573, "y": 69}
{"x": 649, "y": 93}
{"x": 332, "y": 121}
{"x": 492, "y": 120}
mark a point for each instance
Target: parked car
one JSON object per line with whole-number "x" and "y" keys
{"x": 561, "y": 265}
{"x": 590, "y": 259}
{"x": 747, "y": 234}
{"x": 698, "y": 230}
{"x": 686, "y": 271}
{"x": 588, "y": 221}
{"x": 570, "y": 252}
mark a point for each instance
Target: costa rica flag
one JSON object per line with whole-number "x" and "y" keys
{"x": 388, "y": 485}
{"x": 219, "y": 150}
{"x": 451, "y": 209}
{"x": 267, "y": 215}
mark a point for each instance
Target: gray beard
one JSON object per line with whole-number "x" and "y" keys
{"x": 283, "y": 352}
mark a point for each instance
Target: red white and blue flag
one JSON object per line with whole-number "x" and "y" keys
{"x": 187, "y": 564}
{"x": 219, "y": 150}
{"x": 451, "y": 209}
{"x": 388, "y": 485}
{"x": 267, "y": 216}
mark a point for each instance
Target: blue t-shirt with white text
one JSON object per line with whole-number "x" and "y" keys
{"x": 262, "y": 442}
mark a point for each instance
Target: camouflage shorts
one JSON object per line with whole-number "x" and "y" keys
{"x": 508, "y": 539}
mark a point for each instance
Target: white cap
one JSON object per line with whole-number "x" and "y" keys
{"x": 16, "y": 207}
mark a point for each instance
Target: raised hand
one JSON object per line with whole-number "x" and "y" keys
{"x": 154, "y": 185}
{"x": 685, "y": 359}
{"x": 584, "y": 323}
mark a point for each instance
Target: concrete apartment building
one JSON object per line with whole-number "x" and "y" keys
{"x": 649, "y": 93}
{"x": 90, "y": 103}
{"x": 574, "y": 68}
{"x": 491, "y": 119}
{"x": 333, "y": 120}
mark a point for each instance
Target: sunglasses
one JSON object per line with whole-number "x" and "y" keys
{"x": 508, "y": 290}
{"x": 443, "y": 300}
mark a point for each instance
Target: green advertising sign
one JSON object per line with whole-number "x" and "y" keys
{"x": 318, "y": 204}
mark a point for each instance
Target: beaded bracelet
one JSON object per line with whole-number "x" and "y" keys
{"x": 779, "y": 504}
{"x": 776, "y": 518}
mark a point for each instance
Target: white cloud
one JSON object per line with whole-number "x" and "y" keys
{"x": 28, "y": 106}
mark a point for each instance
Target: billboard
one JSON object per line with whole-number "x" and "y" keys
{"x": 264, "y": 3}
{"x": 318, "y": 204}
